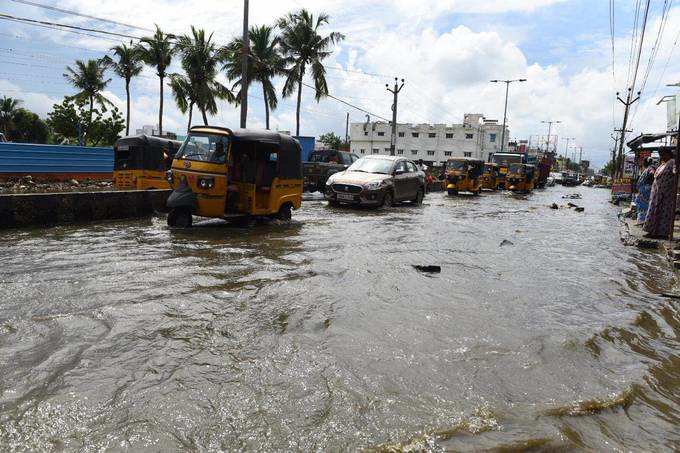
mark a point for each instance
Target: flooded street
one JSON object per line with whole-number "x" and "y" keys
{"x": 542, "y": 330}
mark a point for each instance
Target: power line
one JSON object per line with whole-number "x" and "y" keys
{"x": 75, "y": 13}
{"x": 69, "y": 27}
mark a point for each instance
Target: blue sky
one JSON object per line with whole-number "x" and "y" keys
{"x": 446, "y": 49}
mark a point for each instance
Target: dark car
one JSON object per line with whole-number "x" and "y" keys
{"x": 323, "y": 163}
{"x": 377, "y": 181}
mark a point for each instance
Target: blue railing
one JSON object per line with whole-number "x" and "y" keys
{"x": 29, "y": 158}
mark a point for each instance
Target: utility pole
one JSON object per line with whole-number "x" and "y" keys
{"x": 580, "y": 158}
{"x": 675, "y": 182}
{"x": 549, "y": 123}
{"x": 347, "y": 130}
{"x": 618, "y": 162}
{"x": 566, "y": 149}
{"x": 627, "y": 103}
{"x": 244, "y": 67}
{"x": 395, "y": 92}
{"x": 505, "y": 112}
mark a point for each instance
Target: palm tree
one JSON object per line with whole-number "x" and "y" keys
{"x": 303, "y": 47}
{"x": 201, "y": 59}
{"x": 127, "y": 65}
{"x": 8, "y": 107}
{"x": 88, "y": 77}
{"x": 265, "y": 64}
{"x": 157, "y": 51}
{"x": 183, "y": 94}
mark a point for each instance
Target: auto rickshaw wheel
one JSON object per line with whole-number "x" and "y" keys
{"x": 180, "y": 218}
{"x": 285, "y": 213}
{"x": 418, "y": 200}
{"x": 453, "y": 192}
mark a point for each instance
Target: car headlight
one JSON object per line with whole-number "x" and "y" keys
{"x": 374, "y": 185}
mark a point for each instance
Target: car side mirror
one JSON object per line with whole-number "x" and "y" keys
{"x": 399, "y": 172}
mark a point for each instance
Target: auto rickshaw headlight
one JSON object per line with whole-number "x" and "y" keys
{"x": 206, "y": 183}
{"x": 169, "y": 176}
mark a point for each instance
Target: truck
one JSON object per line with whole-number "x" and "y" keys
{"x": 322, "y": 164}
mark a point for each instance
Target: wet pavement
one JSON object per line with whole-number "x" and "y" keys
{"x": 541, "y": 331}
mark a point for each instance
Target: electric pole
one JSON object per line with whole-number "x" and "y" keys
{"x": 566, "y": 149}
{"x": 618, "y": 160}
{"x": 395, "y": 92}
{"x": 347, "y": 130}
{"x": 244, "y": 67}
{"x": 627, "y": 103}
{"x": 549, "y": 123}
{"x": 505, "y": 112}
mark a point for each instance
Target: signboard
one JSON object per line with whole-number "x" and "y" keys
{"x": 672, "y": 113}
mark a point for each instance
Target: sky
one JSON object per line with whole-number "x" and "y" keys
{"x": 446, "y": 50}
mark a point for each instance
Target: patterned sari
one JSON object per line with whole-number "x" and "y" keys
{"x": 644, "y": 192}
{"x": 660, "y": 212}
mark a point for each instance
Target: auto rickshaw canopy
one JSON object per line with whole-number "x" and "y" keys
{"x": 476, "y": 165}
{"x": 143, "y": 152}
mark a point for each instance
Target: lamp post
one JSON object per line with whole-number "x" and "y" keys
{"x": 549, "y": 123}
{"x": 505, "y": 112}
{"x": 566, "y": 149}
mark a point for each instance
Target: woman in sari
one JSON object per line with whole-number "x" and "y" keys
{"x": 660, "y": 212}
{"x": 644, "y": 189}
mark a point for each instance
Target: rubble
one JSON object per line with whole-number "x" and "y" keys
{"x": 27, "y": 184}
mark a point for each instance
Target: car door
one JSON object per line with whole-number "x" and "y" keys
{"x": 414, "y": 179}
{"x": 401, "y": 180}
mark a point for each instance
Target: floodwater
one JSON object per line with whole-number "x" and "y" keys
{"x": 320, "y": 335}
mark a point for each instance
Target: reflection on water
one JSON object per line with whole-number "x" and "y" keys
{"x": 320, "y": 334}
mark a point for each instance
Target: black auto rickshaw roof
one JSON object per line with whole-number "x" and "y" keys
{"x": 466, "y": 159}
{"x": 147, "y": 140}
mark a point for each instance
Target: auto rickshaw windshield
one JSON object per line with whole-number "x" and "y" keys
{"x": 457, "y": 165}
{"x": 204, "y": 147}
{"x": 516, "y": 168}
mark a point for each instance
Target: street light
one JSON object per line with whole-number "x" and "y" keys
{"x": 566, "y": 148}
{"x": 505, "y": 113}
{"x": 549, "y": 123}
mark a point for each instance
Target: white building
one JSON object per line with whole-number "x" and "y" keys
{"x": 477, "y": 137}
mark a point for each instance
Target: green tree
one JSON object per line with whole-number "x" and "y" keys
{"x": 70, "y": 121}
{"x": 303, "y": 47}
{"x": 28, "y": 128}
{"x": 182, "y": 91}
{"x": 157, "y": 51}
{"x": 201, "y": 60}
{"x": 264, "y": 64}
{"x": 89, "y": 78}
{"x": 8, "y": 107}
{"x": 331, "y": 140}
{"x": 128, "y": 64}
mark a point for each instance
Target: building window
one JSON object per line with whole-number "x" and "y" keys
{"x": 365, "y": 133}
{"x": 430, "y": 153}
{"x": 387, "y": 150}
{"x": 467, "y": 154}
{"x": 448, "y": 153}
{"x": 492, "y": 138}
{"x": 415, "y": 134}
{"x": 400, "y": 151}
{"x": 401, "y": 134}
{"x": 432, "y": 135}
{"x": 363, "y": 151}
{"x": 376, "y": 150}
{"x": 381, "y": 134}
{"x": 469, "y": 136}
{"x": 414, "y": 152}
{"x": 449, "y": 135}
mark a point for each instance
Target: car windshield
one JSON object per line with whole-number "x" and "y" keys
{"x": 372, "y": 165}
{"x": 457, "y": 165}
{"x": 204, "y": 147}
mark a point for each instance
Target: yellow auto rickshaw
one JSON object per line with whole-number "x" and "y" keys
{"x": 521, "y": 178}
{"x": 490, "y": 176}
{"x": 140, "y": 162}
{"x": 234, "y": 174}
{"x": 463, "y": 174}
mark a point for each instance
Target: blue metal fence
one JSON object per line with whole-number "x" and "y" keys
{"x": 30, "y": 159}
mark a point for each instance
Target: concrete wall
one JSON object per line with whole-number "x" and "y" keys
{"x": 23, "y": 210}
{"x": 18, "y": 159}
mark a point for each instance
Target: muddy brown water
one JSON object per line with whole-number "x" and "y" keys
{"x": 320, "y": 334}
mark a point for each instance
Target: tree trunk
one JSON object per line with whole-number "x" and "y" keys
{"x": 205, "y": 118}
{"x": 266, "y": 108}
{"x": 160, "y": 111}
{"x": 127, "y": 117}
{"x": 299, "y": 100}
{"x": 191, "y": 111}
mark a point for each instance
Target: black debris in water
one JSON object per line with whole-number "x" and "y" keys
{"x": 579, "y": 209}
{"x": 554, "y": 206}
{"x": 429, "y": 269}
{"x": 506, "y": 242}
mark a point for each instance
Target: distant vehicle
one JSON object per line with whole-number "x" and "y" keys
{"x": 463, "y": 174}
{"x": 504, "y": 160}
{"x": 570, "y": 179}
{"x": 490, "y": 176}
{"x": 2, "y": 138}
{"x": 140, "y": 162}
{"x": 377, "y": 181}
{"x": 323, "y": 163}
{"x": 521, "y": 178}
{"x": 557, "y": 177}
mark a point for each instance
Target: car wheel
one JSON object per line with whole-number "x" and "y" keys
{"x": 453, "y": 192}
{"x": 333, "y": 203}
{"x": 418, "y": 200}
{"x": 285, "y": 213}
{"x": 180, "y": 218}
{"x": 388, "y": 200}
